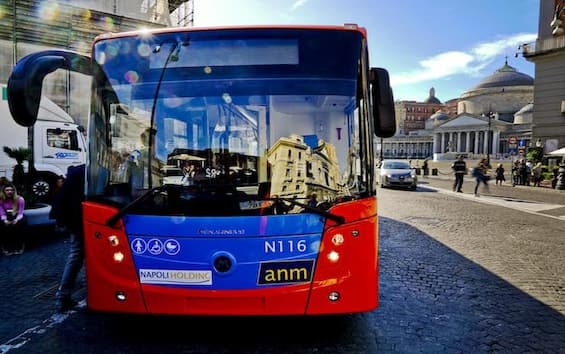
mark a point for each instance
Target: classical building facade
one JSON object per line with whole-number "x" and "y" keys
{"x": 548, "y": 54}
{"x": 492, "y": 118}
{"x": 412, "y": 115}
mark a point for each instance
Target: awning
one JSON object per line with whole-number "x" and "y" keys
{"x": 186, "y": 157}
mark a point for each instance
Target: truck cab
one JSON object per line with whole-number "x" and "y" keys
{"x": 57, "y": 146}
{"x": 58, "y": 143}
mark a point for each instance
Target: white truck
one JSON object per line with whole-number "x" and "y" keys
{"x": 57, "y": 144}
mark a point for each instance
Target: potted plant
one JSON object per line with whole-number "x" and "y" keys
{"x": 20, "y": 154}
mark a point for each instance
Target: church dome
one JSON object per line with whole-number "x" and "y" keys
{"x": 439, "y": 115}
{"x": 432, "y": 97}
{"x": 432, "y": 100}
{"x": 505, "y": 76}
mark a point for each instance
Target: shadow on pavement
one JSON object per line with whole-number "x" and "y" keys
{"x": 432, "y": 299}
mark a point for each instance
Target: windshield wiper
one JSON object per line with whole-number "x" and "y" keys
{"x": 337, "y": 218}
{"x": 114, "y": 218}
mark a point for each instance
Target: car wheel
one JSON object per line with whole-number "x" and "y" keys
{"x": 41, "y": 188}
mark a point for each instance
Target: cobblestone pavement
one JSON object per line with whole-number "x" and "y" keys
{"x": 456, "y": 276}
{"x": 542, "y": 200}
{"x": 28, "y": 283}
{"x": 501, "y": 267}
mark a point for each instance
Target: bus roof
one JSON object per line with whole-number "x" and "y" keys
{"x": 345, "y": 27}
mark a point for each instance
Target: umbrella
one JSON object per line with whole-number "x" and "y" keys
{"x": 186, "y": 157}
{"x": 558, "y": 152}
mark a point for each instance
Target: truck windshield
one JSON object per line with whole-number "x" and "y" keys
{"x": 236, "y": 119}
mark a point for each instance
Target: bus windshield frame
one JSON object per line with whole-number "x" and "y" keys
{"x": 247, "y": 115}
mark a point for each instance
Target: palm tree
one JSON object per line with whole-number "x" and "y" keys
{"x": 20, "y": 154}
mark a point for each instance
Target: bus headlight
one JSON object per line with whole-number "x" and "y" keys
{"x": 118, "y": 257}
{"x": 333, "y": 256}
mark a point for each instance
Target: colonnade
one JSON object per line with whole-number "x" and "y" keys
{"x": 406, "y": 149}
{"x": 474, "y": 141}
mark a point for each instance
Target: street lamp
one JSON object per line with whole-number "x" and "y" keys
{"x": 489, "y": 115}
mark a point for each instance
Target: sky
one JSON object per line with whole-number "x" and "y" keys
{"x": 450, "y": 45}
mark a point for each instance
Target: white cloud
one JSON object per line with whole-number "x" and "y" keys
{"x": 297, "y": 4}
{"x": 486, "y": 51}
{"x": 447, "y": 64}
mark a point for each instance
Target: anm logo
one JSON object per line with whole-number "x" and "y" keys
{"x": 285, "y": 272}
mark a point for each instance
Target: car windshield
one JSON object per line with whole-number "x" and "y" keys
{"x": 241, "y": 120}
{"x": 396, "y": 165}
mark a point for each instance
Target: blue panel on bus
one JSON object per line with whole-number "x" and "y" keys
{"x": 225, "y": 253}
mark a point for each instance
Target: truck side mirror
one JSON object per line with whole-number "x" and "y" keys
{"x": 26, "y": 81}
{"x": 383, "y": 103}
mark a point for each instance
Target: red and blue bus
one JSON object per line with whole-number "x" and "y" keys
{"x": 231, "y": 171}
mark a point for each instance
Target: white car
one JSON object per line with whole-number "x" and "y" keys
{"x": 397, "y": 173}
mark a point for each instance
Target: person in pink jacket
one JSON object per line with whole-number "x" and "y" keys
{"x": 11, "y": 220}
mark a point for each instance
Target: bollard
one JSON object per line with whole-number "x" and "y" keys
{"x": 418, "y": 171}
{"x": 561, "y": 178}
{"x": 434, "y": 171}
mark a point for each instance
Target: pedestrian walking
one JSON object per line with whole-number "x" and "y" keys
{"x": 515, "y": 173}
{"x": 537, "y": 174}
{"x": 67, "y": 210}
{"x": 499, "y": 174}
{"x": 459, "y": 168}
{"x": 480, "y": 174}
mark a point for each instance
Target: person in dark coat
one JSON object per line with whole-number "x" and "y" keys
{"x": 67, "y": 210}
{"x": 459, "y": 168}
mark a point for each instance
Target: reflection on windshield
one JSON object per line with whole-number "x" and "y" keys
{"x": 289, "y": 148}
{"x": 233, "y": 146}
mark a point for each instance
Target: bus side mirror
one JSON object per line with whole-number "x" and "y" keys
{"x": 383, "y": 103}
{"x": 26, "y": 81}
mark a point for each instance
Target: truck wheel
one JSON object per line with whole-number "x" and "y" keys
{"x": 41, "y": 188}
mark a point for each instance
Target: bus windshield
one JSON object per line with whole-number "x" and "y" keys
{"x": 234, "y": 120}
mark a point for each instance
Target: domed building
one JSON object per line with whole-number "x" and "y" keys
{"x": 412, "y": 138}
{"x": 492, "y": 118}
{"x": 505, "y": 92}
{"x": 436, "y": 119}
{"x": 432, "y": 99}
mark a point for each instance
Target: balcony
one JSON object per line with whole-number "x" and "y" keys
{"x": 543, "y": 46}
